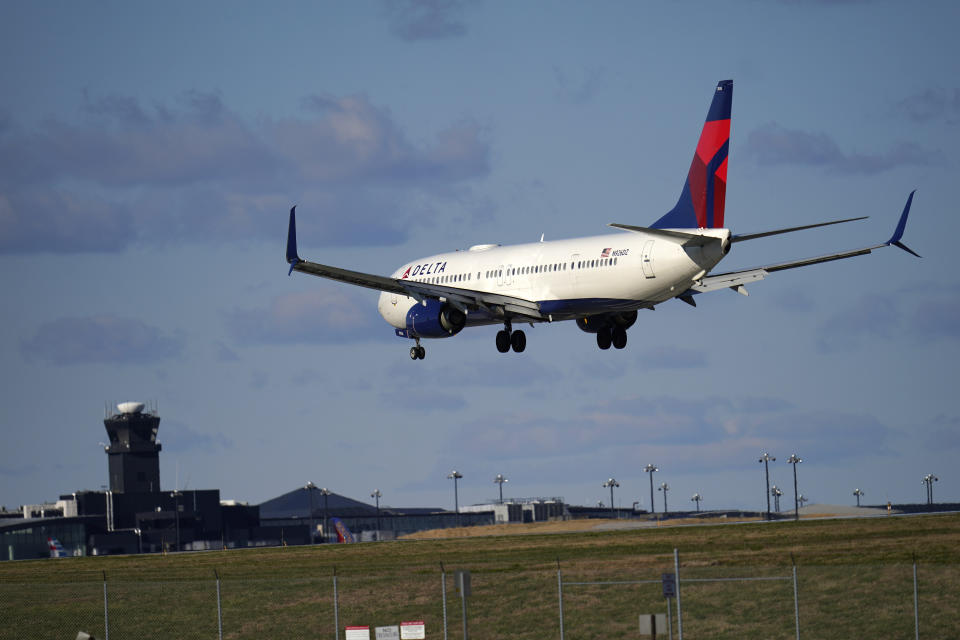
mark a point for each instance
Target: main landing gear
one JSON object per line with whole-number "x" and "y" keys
{"x": 617, "y": 336}
{"x": 507, "y": 338}
{"x": 418, "y": 352}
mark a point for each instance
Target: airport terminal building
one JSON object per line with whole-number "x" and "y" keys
{"x": 136, "y": 516}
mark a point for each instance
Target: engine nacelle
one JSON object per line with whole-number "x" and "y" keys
{"x": 592, "y": 324}
{"x": 435, "y": 319}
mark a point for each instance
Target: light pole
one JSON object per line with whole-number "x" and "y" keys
{"x": 377, "y": 495}
{"x": 455, "y": 476}
{"x": 803, "y": 500}
{"x": 500, "y": 480}
{"x": 176, "y": 513}
{"x": 776, "y": 493}
{"x": 697, "y": 498}
{"x": 310, "y": 487}
{"x": 664, "y": 487}
{"x": 928, "y": 480}
{"x": 326, "y": 494}
{"x": 651, "y": 469}
{"x": 612, "y": 482}
{"x": 857, "y": 492}
{"x": 794, "y": 459}
{"x": 765, "y": 458}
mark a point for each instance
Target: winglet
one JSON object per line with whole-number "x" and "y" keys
{"x": 292, "y": 257}
{"x": 898, "y": 234}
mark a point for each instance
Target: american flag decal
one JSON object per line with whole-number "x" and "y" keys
{"x": 605, "y": 253}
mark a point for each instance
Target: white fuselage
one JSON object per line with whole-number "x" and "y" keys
{"x": 569, "y": 279}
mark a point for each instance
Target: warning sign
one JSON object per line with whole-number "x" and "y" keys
{"x": 388, "y": 633}
{"x": 413, "y": 630}
{"x": 357, "y": 633}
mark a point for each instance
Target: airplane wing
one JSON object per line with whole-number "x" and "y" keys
{"x": 467, "y": 299}
{"x": 737, "y": 279}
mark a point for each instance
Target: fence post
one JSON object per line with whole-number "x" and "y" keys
{"x": 676, "y": 569}
{"x": 916, "y": 601}
{"x": 796, "y": 597}
{"x": 560, "y": 593}
{"x": 669, "y": 620}
{"x": 219, "y": 608}
{"x": 462, "y": 582}
{"x": 336, "y": 608}
{"x": 106, "y": 609}
{"x": 443, "y": 592}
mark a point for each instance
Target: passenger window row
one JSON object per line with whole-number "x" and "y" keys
{"x": 518, "y": 271}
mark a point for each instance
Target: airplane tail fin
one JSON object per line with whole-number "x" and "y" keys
{"x": 343, "y": 533}
{"x": 56, "y": 549}
{"x": 702, "y": 200}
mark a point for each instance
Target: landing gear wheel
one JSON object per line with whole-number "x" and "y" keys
{"x": 421, "y": 353}
{"x": 503, "y": 341}
{"x": 518, "y": 340}
{"x": 417, "y": 353}
{"x": 619, "y": 337}
{"x": 603, "y": 338}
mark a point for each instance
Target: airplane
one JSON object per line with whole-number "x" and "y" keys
{"x": 600, "y": 282}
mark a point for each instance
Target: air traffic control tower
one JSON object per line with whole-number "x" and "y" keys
{"x": 133, "y": 452}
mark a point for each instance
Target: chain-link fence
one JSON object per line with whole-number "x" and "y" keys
{"x": 589, "y": 601}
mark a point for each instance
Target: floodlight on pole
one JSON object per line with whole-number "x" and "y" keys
{"x": 928, "y": 480}
{"x": 651, "y": 469}
{"x": 612, "y": 482}
{"x": 377, "y": 495}
{"x": 326, "y": 495}
{"x": 455, "y": 476}
{"x": 803, "y": 500}
{"x": 664, "y": 487}
{"x": 858, "y": 492}
{"x": 776, "y": 493}
{"x": 794, "y": 459}
{"x": 309, "y": 487}
{"x": 500, "y": 480}
{"x": 766, "y": 458}
{"x": 697, "y": 498}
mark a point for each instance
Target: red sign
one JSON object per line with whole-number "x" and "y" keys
{"x": 413, "y": 630}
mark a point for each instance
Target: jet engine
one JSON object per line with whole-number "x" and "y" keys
{"x": 435, "y": 319}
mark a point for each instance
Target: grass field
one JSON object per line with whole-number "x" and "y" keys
{"x": 855, "y": 580}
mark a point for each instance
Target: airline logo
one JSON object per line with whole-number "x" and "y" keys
{"x": 424, "y": 269}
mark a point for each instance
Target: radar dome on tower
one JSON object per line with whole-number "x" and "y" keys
{"x": 130, "y": 407}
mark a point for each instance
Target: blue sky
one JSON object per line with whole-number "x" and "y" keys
{"x": 149, "y": 154}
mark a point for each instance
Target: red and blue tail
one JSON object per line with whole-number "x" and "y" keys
{"x": 701, "y": 202}
{"x": 56, "y": 549}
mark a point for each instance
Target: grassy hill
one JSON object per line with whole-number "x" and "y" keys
{"x": 855, "y": 580}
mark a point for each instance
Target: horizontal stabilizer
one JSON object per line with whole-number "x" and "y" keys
{"x": 689, "y": 239}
